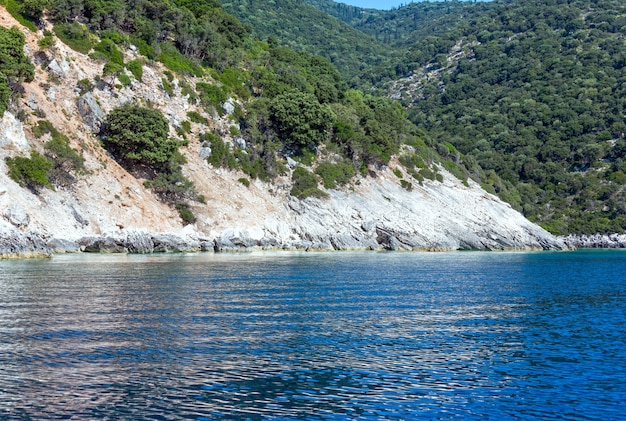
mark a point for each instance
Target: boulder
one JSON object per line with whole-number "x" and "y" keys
{"x": 139, "y": 243}
{"x": 15, "y": 244}
{"x": 102, "y": 245}
{"x": 61, "y": 246}
{"x": 17, "y": 216}
{"x": 12, "y": 133}
{"x": 90, "y": 111}
{"x": 169, "y": 243}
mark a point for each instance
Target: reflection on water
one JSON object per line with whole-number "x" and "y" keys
{"x": 314, "y": 336}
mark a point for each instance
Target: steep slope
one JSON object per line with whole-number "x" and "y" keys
{"x": 108, "y": 209}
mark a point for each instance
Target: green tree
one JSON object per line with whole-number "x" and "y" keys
{"x": 300, "y": 120}
{"x": 140, "y": 136}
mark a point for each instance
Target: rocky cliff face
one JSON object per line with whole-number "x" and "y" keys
{"x": 109, "y": 210}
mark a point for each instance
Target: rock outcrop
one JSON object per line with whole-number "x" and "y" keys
{"x": 605, "y": 241}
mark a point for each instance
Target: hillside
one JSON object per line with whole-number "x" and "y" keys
{"x": 304, "y": 28}
{"x": 535, "y": 95}
{"x": 127, "y": 143}
{"x": 529, "y": 93}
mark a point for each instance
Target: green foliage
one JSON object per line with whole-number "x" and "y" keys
{"x": 167, "y": 87}
{"x": 244, "y": 181}
{"x": 171, "y": 185}
{"x": 335, "y": 174}
{"x": 64, "y": 160}
{"x": 47, "y": 41}
{"x": 211, "y": 96}
{"x": 15, "y": 67}
{"x": 107, "y": 50}
{"x": 124, "y": 79}
{"x": 305, "y": 184}
{"x": 398, "y": 172}
{"x": 407, "y": 185}
{"x": 30, "y": 172}
{"x": 75, "y": 36}
{"x": 300, "y": 120}
{"x": 221, "y": 155}
{"x": 136, "y": 68}
{"x": 137, "y": 135}
{"x": 19, "y": 10}
{"x": 304, "y": 28}
{"x": 196, "y": 117}
{"x": 185, "y": 213}
{"x": 174, "y": 60}
{"x": 84, "y": 86}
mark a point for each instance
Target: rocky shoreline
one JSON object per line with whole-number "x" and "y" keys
{"x": 596, "y": 241}
{"x": 30, "y": 244}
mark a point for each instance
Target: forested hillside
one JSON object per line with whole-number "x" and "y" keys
{"x": 304, "y": 28}
{"x": 530, "y": 91}
{"x": 539, "y": 99}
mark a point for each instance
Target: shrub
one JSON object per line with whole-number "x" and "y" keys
{"x": 335, "y": 174}
{"x": 397, "y": 172}
{"x": 305, "y": 184}
{"x": 84, "y": 86}
{"x": 30, "y": 172}
{"x": 47, "y": 41}
{"x": 211, "y": 96}
{"x": 244, "y": 181}
{"x": 221, "y": 155}
{"x": 197, "y": 117}
{"x": 136, "y": 68}
{"x": 140, "y": 136}
{"x": 124, "y": 79}
{"x": 75, "y": 36}
{"x": 167, "y": 87}
{"x": 406, "y": 185}
{"x": 185, "y": 213}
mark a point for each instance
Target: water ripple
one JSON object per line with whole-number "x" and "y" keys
{"x": 341, "y": 336}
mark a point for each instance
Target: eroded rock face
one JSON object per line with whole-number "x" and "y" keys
{"x": 15, "y": 244}
{"x": 12, "y": 134}
{"x": 90, "y": 111}
{"x": 17, "y": 216}
{"x": 612, "y": 241}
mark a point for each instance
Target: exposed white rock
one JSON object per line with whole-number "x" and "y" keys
{"x": 12, "y": 134}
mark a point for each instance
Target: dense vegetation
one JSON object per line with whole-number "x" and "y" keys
{"x": 540, "y": 101}
{"x": 307, "y": 29}
{"x": 58, "y": 166}
{"x": 534, "y": 105}
{"x": 15, "y": 67}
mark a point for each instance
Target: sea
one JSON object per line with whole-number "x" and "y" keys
{"x": 315, "y": 336}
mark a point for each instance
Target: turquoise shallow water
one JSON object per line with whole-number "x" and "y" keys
{"x": 320, "y": 336}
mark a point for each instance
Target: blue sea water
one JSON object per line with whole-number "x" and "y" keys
{"x": 315, "y": 336}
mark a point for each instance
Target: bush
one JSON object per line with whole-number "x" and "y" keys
{"x": 305, "y": 184}
{"x": 185, "y": 213}
{"x": 167, "y": 87}
{"x": 335, "y": 174}
{"x": 211, "y": 96}
{"x": 30, "y": 172}
{"x": 75, "y": 36}
{"x": 244, "y": 181}
{"x": 140, "y": 136}
{"x": 124, "y": 79}
{"x": 196, "y": 117}
{"x": 136, "y": 68}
